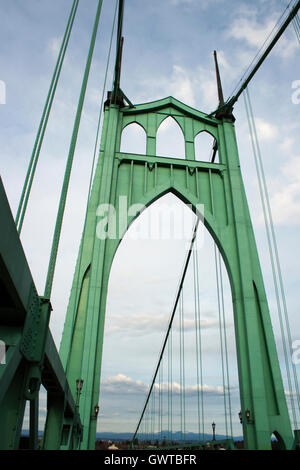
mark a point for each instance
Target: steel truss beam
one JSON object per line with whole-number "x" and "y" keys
{"x": 31, "y": 358}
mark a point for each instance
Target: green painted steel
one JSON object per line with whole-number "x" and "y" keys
{"x": 31, "y": 358}
{"x": 142, "y": 179}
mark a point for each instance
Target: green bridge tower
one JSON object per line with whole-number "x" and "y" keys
{"x": 142, "y": 179}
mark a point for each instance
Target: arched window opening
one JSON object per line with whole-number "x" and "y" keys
{"x": 206, "y": 148}
{"x": 170, "y": 139}
{"x": 133, "y": 139}
{"x": 277, "y": 442}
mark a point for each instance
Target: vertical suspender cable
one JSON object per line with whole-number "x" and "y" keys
{"x": 273, "y": 250}
{"x": 64, "y": 191}
{"x": 225, "y": 345}
{"x": 200, "y": 398}
{"x": 170, "y": 387}
{"x": 177, "y": 300}
{"x": 221, "y": 337}
{"x": 197, "y": 344}
{"x": 182, "y": 368}
{"x": 160, "y": 380}
{"x": 44, "y": 121}
{"x": 296, "y": 24}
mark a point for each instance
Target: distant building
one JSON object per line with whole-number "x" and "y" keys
{"x": 113, "y": 447}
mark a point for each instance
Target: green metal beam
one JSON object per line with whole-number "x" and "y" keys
{"x": 31, "y": 356}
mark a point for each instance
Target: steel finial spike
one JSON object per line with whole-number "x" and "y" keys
{"x": 219, "y": 83}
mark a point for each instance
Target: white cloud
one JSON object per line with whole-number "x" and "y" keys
{"x": 286, "y": 145}
{"x": 204, "y": 4}
{"x": 247, "y": 27}
{"x": 181, "y": 85}
{"x": 148, "y": 324}
{"x": 54, "y": 45}
{"x": 122, "y": 384}
{"x": 265, "y": 130}
{"x": 190, "y": 390}
{"x": 249, "y": 30}
{"x": 285, "y": 194}
{"x": 181, "y": 2}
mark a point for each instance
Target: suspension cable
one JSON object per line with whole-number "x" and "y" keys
{"x": 44, "y": 121}
{"x": 273, "y": 251}
{"x": 200, "y": 398}
{"x": 221, "y": 337}
{"x": 64, "y": 191}
{"x": 182, "y": 368}
{"x": 262, "y": 49}
{"x": 225, "y": 344}
{"x": 296, "y": 25}
{"x": 170, "y": 385}
{"x": 279, "y": 28}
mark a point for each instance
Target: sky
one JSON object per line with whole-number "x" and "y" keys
{"x": 168, "y": 50}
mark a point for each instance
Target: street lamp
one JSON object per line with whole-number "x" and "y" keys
{"x": 214, "y": 430}
{"x": 79, "y": 384}
{"x": 96, "y": 411}
{"x": 248, "y": 416}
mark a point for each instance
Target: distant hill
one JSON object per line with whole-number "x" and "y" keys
{"x": 127, "y": 436}
{"x": 176, "y": 436}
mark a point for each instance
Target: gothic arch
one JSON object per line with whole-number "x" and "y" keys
{"x": 207, "y": 219}
{"x": 170, "y": 139}
{"x": 206, "y": 147}
{"x": 133, "y": 139}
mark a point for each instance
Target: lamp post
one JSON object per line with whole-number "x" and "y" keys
{"x": 214, "y": 430}
{"x": 79, "y": 384}
{"x": 249, "y": 417}
{"x": 96, "y": 411}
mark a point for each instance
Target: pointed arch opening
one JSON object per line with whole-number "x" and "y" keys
{"x": 277, "y": 442}
{"x": 142, "y": 286}
{"x": 206, "y": 148}
{"x": 170, "y": 140}
{"x": 133, "y": 139}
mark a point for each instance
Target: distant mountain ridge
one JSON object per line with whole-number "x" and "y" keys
{"x": 164, "y": 435}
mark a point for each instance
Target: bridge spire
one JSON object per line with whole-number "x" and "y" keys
{"x": 119, "y": 53}
{"x": 219, "y": 83}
